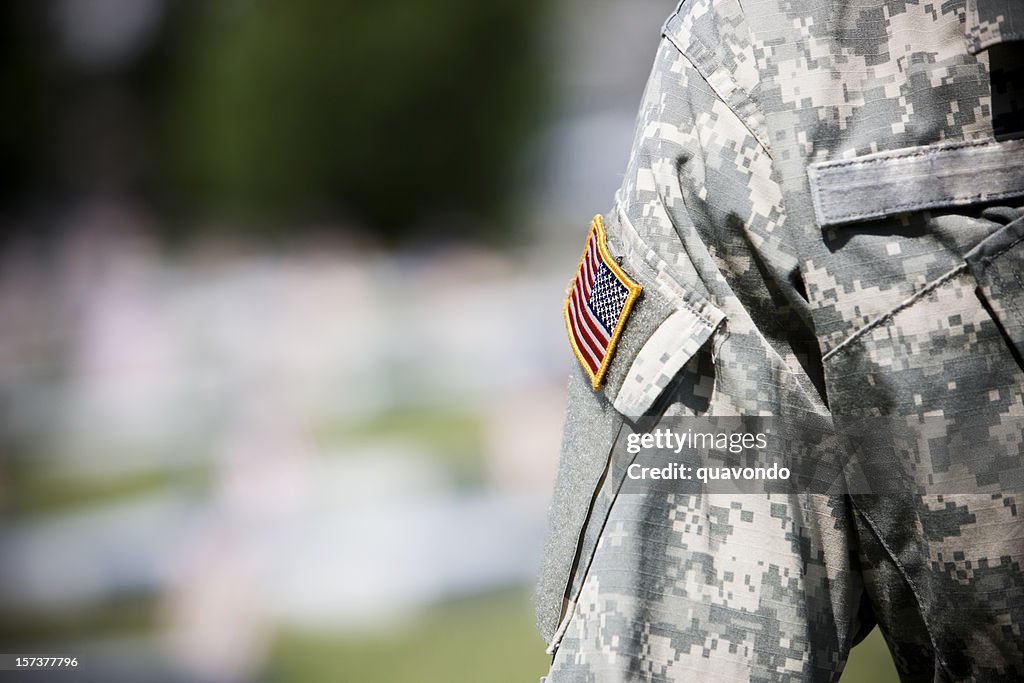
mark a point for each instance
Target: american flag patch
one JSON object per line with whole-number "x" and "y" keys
{"x": 597, "y": 305}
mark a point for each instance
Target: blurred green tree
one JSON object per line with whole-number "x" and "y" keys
{"x": 20, "y": 121}
{"x": 393, "y": 113}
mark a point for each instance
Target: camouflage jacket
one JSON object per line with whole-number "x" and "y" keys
{"x": 820, "y": 208}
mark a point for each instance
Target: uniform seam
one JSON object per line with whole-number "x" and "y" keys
{"x": 906, "y": 303}
{"x": 1000, "y": 280}
{"x": 989, "y": 259}
{"x": 582, "y": 571}
{"x": 626, "y": 224}
{"x": 732, "y": 109}
{"x": 924, "y": 291}
{"x": 928, "y": 150}
{"x": 703, "y": 53}
{"x": 910, "y": 584}
{"x": 956, "y": 199}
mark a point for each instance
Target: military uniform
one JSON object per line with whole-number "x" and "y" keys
{"x": 820, "y": 217}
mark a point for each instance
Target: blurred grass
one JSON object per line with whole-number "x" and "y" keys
{"x": 38, "y": 630}
{"x": 455, "y": 437}
{"x": 870, "y": 662}
{"x": 489, "y": 639}
{"x": 35, "y": 491}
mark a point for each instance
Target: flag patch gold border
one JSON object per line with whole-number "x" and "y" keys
{"x": 633, "y": 290}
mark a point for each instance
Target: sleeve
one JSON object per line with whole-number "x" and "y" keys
{"x": 716, "y": 331}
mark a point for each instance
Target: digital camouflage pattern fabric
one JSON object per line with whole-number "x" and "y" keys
{"x": 804, "y": 212}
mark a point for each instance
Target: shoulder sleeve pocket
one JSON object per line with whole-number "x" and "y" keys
{"x": 660, "y": 356}
{"x": 670, "y": 324}
{"x": 632, "y": 325}
{"x": 662, "y": 330}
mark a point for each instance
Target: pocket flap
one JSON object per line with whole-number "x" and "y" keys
{"x": 653, "y": 339}
{"x": 933, "y": 176}
{"x": 662, "y": 356}
{"x": 628, "y": 335}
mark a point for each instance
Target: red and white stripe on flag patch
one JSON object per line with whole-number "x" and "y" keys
{"x": 597, "y": 304}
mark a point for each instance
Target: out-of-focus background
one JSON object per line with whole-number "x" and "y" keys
{"x": 281, "y": 350}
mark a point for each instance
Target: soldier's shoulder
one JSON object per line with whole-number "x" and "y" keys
{"x": 715, "y": 37}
